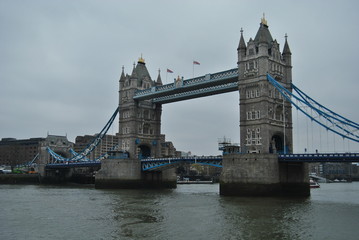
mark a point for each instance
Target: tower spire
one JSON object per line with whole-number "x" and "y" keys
{"x": 242, "y": 44}
{"x": 159, "y": 80}
{"x": 122, "y": 78}
{"x": 286, "y": 49}
{"x": 134, "y": 75}
{"x": 264, "y": 21}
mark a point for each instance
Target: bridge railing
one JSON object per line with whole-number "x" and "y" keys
{"x": 149, "y": 164}
{"x": 226, "y": 87}
{"x": 319, "y": 157}
{"x": 73, "y": 164}
{"x": 164, "y": 87}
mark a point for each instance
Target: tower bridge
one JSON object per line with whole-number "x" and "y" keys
{"x": 265, "y": 166}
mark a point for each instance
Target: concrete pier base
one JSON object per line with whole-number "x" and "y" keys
{"x": 262, "y": 175}
{"x": 294, "y": 179}
{"x": 56, "y": 176}
{"x": 127, "y": 174}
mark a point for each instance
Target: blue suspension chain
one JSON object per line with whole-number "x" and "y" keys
{"x": 91, "y": 146}
{"x": 335, "y": 119}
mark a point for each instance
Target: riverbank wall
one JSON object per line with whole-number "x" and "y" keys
{"x": 19, "y": 179}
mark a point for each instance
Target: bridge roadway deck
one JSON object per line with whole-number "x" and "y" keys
{"x": 157, "y": 163}
{"x": 319, "y": 157}
{"x": 209, "y": 84}
{"x": 151, "y": 164}
{"x": 73, "y": 164}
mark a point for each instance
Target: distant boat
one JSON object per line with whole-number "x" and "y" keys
{"x": 313, "y": 184}
{"x": 338, "y": 181}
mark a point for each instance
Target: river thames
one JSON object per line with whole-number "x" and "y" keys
{"x": 188, "y": 212}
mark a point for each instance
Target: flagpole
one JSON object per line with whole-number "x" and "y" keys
{"x": 168, "y": 71}
{"x": 194, "y": 63}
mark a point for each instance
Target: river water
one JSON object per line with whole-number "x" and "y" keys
{"x": 188, "y": 212}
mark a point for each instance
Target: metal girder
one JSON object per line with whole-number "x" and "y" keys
{"x": 209, "y": 84}
{"x": 163, "y": 163}
{"x": 201, "y": 92}
{"x": 323, "y": 116}
{"x": 216, "y": 161}
{"x": 73, "y": 165}
{"x": 319, "y": 157}
{"x": 90, "y": 147}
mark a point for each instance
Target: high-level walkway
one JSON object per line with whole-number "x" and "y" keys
{"x": 209, "y": 84}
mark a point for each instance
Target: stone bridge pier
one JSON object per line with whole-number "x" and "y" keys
{"x": 127, "y": 174}
{"x": 262, "y": 175}
{"x": 61, "y": 146}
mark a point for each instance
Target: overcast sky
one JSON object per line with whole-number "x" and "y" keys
{"x": 60, "y": 61}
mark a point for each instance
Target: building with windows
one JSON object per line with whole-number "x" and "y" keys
{"x": 108, "y": 143}
{"x": 20, "y": 151}
{"x": 336, "y": 170}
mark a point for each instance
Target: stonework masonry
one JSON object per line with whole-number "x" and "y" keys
{"x": 14, "y": 151}
{"x": 265, "y": 124}
{"x": 139, "y": 135}
{"x": 139, "y": 122}
{"x": 262, "y": 175}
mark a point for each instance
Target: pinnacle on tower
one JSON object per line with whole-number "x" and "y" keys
{"x": 286, "y": 49}
{"x": 134, "y": 75}
{"x": 122, "y": 78}
{"x": 159, "y": 80}
{"x": 242, "y": 44}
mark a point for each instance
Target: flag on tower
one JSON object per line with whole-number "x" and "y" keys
{"x": 196, "y": 63}
{"x": 169, "y": 70}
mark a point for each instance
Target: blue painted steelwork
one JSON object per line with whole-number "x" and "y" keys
{"x": 151, "y": 164}
{"x": 210, "y": 84}
{"x": 75, "y": 154}
{"x": 201, "y": 92}
{"x": 80, "y": 156}
{"x": 73, "y": 165}
{"x": 163, "y": 163}
{"x": 118, "y": 155}
{"x": 319, "y": 157}
{"x": 334, "y": 122}
{"x": 103, "y": 156}
{"x": 89, "y": 163}
{"x": 34, "y": 159}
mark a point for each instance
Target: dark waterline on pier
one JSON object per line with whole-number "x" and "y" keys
{"x": 188, "y": 212}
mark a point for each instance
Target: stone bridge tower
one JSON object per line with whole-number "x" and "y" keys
{"x": 139, "y": 122}
{"x": 265, "y": 127}
{"x": 139, "y": 134}
{"x": 265, "y": 124}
